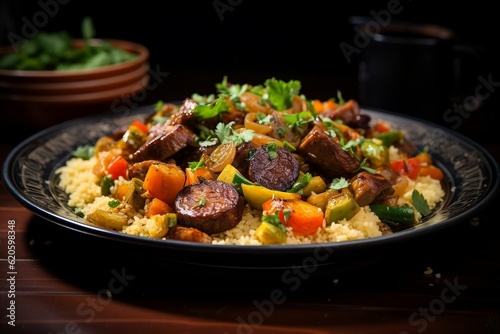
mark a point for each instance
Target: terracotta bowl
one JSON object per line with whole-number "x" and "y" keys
{"x": 40, "y": 99}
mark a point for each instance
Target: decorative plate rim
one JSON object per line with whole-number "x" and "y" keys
{"x": 28, "y": 172}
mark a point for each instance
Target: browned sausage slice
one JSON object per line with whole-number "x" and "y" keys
{"x": 277, "y": 169}
{"x": 211, "y": 206}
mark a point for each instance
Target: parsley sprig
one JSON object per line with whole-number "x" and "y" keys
{"x": 84, "y": 152}
{"x": 194, "y": 165}
{"x": 420, "y": 203}
{"x": 275, "y": 220}
{"x": 301, "y": 182}
{"x": 206, "y": 111}
{"x": 280, "y": 93}
{"x": 226, "y": 133}
{"x": 339, "y": 183}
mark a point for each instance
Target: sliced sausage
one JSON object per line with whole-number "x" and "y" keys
{"x": 273, "y": 167}
{"x": 212, "y": 206}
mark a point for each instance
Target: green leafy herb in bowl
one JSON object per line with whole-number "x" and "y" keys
{"x": 57, "y": 51}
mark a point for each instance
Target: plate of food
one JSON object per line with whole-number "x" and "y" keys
{"x": 252, "y": 176}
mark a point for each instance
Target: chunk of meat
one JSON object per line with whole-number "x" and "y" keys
{"x": 212, "y": 206}
{"x": 350, "y": 114}
{"x": 192, "y": 153}
{"x": 277, "y": 172}
{"x": 166, "y": 144}
{"x": 185, "y": 113}
{"x": 346, "y": 112}
{"x": 166, "y": 110}
{"x": 139, "y": 169}
{"x": 188, "y": 234}
{"x": 368, "y": 188}
{"x": 281, "y": 131}
{"x": 322, "y": 151}
{"x": 242, "y": 158}
{"x": 175, "y": 115}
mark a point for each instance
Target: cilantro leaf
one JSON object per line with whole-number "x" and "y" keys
{"x": 339, "y": 183}
{"x": 300, "y": 183}
{"x": 158, "y": 105}
{"x": 340, "y": 99}
{"x": 420, "y": 203}
{"x": 298, "y": 119}
{"x": 280, "y": 93}
{"x": 203, "y": 99}
{"x": 225, "y": 133}
{"x": 274, "y": 220}
{"x": 84, "y": 152}
{"x": 206, "y": 111}
{"x": 114, "y": 203}
{"x": 233, "y": 91}
{"x": 272, "y": 150}
{"x": 194, "y": 165}
{"x": 264, "y": 119}
{"x": 363, "y": 166}
{"x": 351, "y": 144}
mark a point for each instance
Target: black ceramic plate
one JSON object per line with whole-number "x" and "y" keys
{"x": 29, "y": 174}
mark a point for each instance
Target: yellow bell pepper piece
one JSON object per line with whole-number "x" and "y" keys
{"x": 256, "y": 195}
{"x": 268, "y": 234}
{"x": 316, "y": 185}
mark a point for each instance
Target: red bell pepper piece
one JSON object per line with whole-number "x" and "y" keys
{"x": 118, "y": 167}
{"x": 407, "y": 166}
{"x": 141, "y": 126}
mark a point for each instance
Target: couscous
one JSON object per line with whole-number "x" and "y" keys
{"x": 254, "y": 165}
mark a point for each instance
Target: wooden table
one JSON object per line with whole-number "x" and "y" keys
{"x": 62, "y": 281}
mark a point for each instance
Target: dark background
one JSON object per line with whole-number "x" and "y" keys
{"x": 251, "y": 41}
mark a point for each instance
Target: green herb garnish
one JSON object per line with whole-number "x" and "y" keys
{"x": 274, "y": 220}
{"x": 339, "y": 183}
{"x": 56, "y": 51}
{"x": 280, "y": 93}
{"x": 300, "y": 183}
{"x": 420, "y": 203}
{"x": 194, "y": 165}
{"x": 113, "y": 203}
{"x": 225, "y": 133}
{"x": 272, "y": 150}
{"x": 206, "y": 111}
{"x": 84, "y": 152}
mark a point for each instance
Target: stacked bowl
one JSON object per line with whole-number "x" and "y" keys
{"x": 41, "y": 98}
